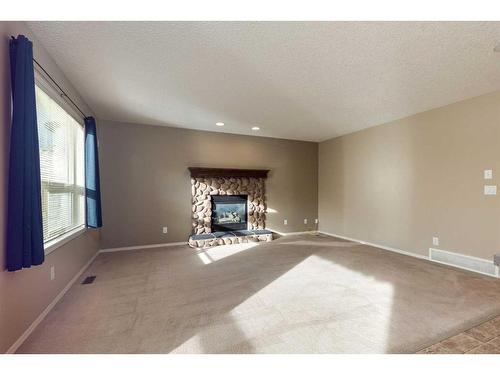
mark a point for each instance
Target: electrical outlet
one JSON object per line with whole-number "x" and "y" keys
{"x": 52, "y": 272}
{"x": 316, "y": 221}
{"x": 285, "y": 222}
{"x": 165, "y": 230}
{"x": 305, "y": 221}
{"x": 490, "y": 190}
{"x": 435, "y": 241}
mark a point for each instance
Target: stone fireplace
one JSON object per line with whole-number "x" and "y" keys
{"x": 228, "y": 206}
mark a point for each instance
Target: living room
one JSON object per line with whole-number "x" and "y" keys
{"x": 250, "y": 187}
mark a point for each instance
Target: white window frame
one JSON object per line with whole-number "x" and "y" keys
{"x": 49, "y": 89}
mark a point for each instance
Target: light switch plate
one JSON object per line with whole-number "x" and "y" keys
{"x": 316, "y": 221}
{"x": 285, "y": 222}
{"x": 490, "y": 190}
{"x": 435, "y": 241}
{"x": 305, "y": 221}
{"x": 165, "y": 229}
{"x": 488, "y": 174}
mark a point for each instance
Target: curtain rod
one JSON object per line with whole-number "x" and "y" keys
{"x": 63, "y": 93}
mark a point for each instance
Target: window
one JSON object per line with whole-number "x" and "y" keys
{"x": 61, "y": 141}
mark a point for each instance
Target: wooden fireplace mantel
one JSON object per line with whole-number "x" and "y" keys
{"x": 227, "y": 172}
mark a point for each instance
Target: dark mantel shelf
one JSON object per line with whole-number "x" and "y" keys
{"x": 227, "y": 172}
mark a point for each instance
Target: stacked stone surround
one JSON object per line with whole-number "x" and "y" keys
{"x": 203, "y": 188}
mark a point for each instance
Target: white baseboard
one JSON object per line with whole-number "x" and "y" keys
{"x": 51, "y": 305}
{"x": 497, "y": 271}
{"x": 44, "y": 313}
{"x": 127, "y": 248}
{"x": 399, "y": 251}
{"x": 291, "y": 233}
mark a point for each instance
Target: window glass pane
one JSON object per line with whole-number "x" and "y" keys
{"x": 61, "y": 167}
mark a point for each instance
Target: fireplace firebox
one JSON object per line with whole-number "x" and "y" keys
{"x": 229, "y": 213}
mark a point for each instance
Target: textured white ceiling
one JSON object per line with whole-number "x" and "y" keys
{"x": 296, "y": 80}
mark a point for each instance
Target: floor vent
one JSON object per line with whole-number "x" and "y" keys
{"x": 466, "y": 262}
{"x": 88, "y": 280}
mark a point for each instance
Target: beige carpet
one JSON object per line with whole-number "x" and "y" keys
{"x": 298, "y": 294}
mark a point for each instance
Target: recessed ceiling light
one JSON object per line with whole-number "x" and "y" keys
{"x": 255, "y": 128}
{"x": 219, "y": 123}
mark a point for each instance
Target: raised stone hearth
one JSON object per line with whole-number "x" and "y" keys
{"x": 228, "y": 238}
{"x": 206, "y": 182}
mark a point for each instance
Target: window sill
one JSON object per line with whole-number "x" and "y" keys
{"x": 65, "y": 238}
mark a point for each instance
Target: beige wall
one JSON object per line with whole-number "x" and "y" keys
{"x": 401, "y": 183}
{"x": 146, "y": 185}
{"x": 396, "y": 185}
{"x": 25, "y": 294}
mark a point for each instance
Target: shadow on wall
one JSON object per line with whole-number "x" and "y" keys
{"x": 372, "y": 187}
{"x": 401, "y": 183}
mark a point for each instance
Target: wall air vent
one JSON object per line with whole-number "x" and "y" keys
{"x": 465, "y": 262}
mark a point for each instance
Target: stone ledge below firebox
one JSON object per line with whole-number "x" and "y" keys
{"x": 227, "y": 238}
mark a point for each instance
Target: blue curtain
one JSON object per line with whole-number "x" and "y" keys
{"x": 24, "y": 212}
{"x": 92, "y": 181}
